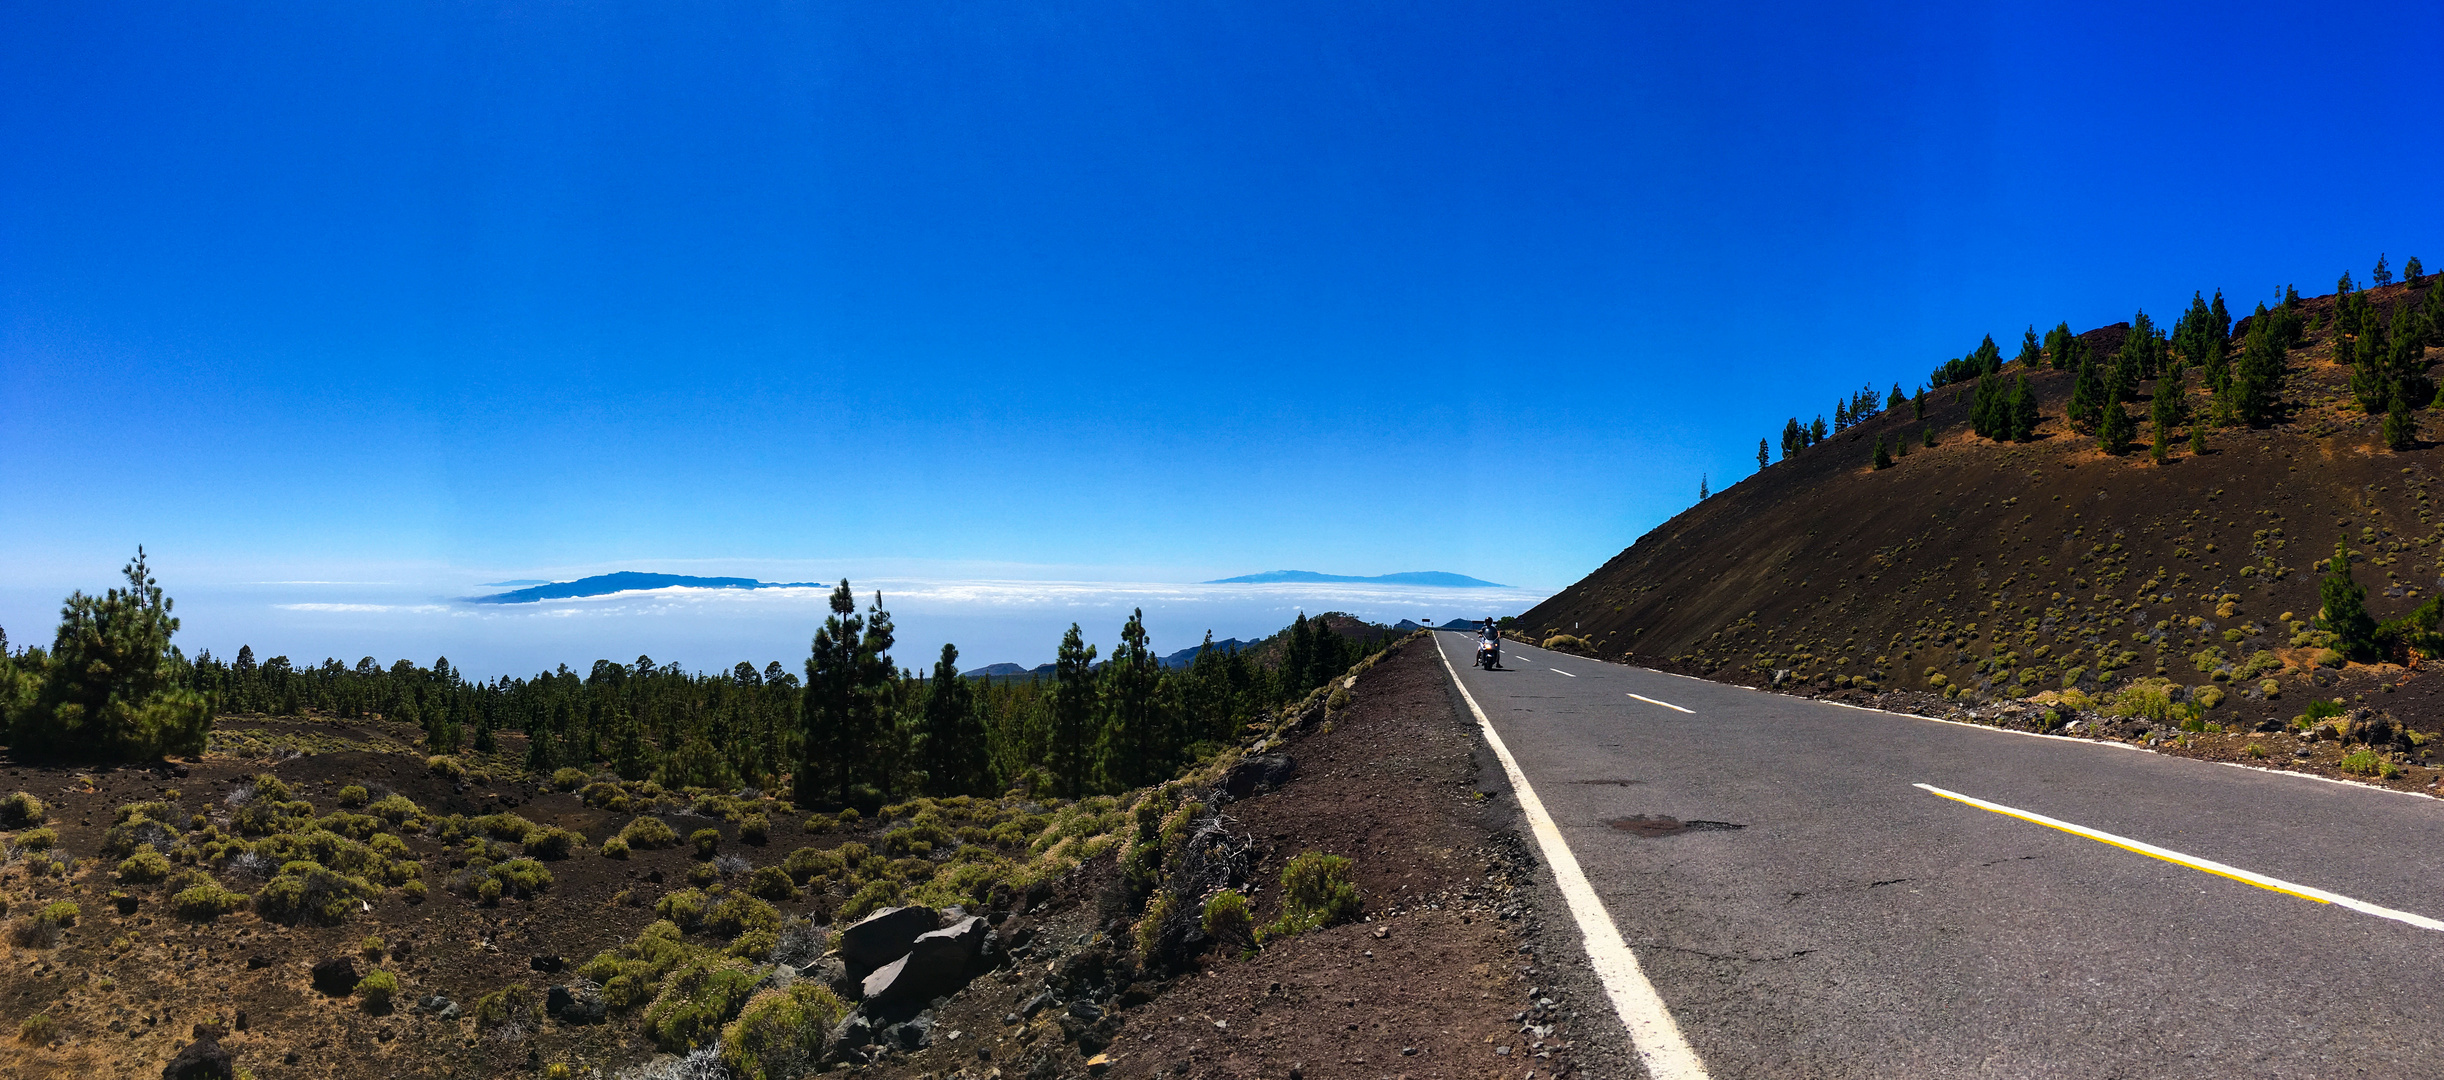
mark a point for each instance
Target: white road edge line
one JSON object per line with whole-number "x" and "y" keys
{"x": 1558, "y": 671}
{"x": 1665, "y": 704}
{"x": 2304, "y": 892}
{"x": 1652, "y": 1031}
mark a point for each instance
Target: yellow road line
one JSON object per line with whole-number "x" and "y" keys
{"x": 2208, "y": 866}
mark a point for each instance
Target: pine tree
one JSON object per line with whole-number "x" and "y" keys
{"x": 1883, "y": 456}
{"x": 2371, "y": 377}
{"x": 2087, "y": 396}
{"x": 2122, "y": 378}
{"x": 1763, "y": 458}
{"x": 1841, "y": 416}
{"x": 2113, "y": 430}
{"x": 1900, "y": 445}
{"x": 2165, "y": 412}
{"x": 112, "y": 685}
{"x": 1816, "y": 431}
{"x": 1918, "y": 402}
{"x": 1794, "y": 438}
{"x": 952, "y": 752}
{"x": 1073, "y": 712}
{"x": 830, "y": 741}
{"x": 1929, "y": 433}
{"x": 2412, "y": 272}
{"x": 2031, "y": 353}
{"x": 2383, "y": 274}
{"x": 2197, "y": 438}
{"x": 2401, "y": 425}
{"x": 1136, "y": 746}
{"x": 1702, "y": 493}
{"x": 2023, "y": 409}
{"x": 876, "y": 717}
{"x": 1897, "y": 399}
{"x": 2257, "y": 384}
{"x": 2343, "y": 609}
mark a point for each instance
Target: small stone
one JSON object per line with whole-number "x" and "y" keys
{"x": 1382, "y": 932}
{"x": 1502, "y": 1051}
{"x": 202, "y": 1059}
{"x": 1085, "y": 1010}
{"x": 1408, "y": 1051}
{"x": 336, "y": 976}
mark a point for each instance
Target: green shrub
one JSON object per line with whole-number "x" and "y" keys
{"x": 443, "y": 765}
{"x": 707, "y": 842}
{"x": 396, "y": 809}
{"x": 615, "y": 848}
{"x": 2146, "y": 699}
{"x": 754, "y": 829}
{"x": 20, "y": 810}
{"x": 772, "y": 883}
{"x": 779, "y": 1034}
{"x": 648, "y": 833}
{"x": 38, "y": 1030}
{"x": 522, "y": 877}
{"x": 739, "y": 913}
{"x": 372, "y": 948}
{"x": 1228, "y": 921}
{"x": 514, "y": 1003}
{"x": 2366, "y": 762}
{"x": 354, "y": 795}
{"x": 569, "y": 779}
{"x": 2207, "y": 697}
{"x": 683, "y": 908}
{"x": 377, "y": 988}
{"x": 554, "y": 843}
{"x": 2321, "y": 710}
{"x": 413, "y": 892}
{"x": 310, "y": 892}
{"x": 1569, "y": 643}
{"x": 144, "y": 867}
{"x": 1316, "y": 892}
{"x": 37, "y": 839}
{"x": 205, "y": 902}
{"x": 696, "y": 1000}
{"x": 820, "y": 823}
{"x": 506, "y": 826}
{"x": 1149, "y": 930}
{"x": 60, "y": 913}
{"x": 605, "y": 795}
{"x": 807, "y": 864}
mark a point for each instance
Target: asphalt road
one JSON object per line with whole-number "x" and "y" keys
{"x": 1856, "y": 925}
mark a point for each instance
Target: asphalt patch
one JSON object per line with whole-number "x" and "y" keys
{"x": 1655, "y": 826}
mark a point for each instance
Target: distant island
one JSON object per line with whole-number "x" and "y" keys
{"x": 628, "y": 581}
{"x": 1436, "y": 578}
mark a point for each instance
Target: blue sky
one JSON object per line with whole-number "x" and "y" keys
{"x": 1150, "y": 293}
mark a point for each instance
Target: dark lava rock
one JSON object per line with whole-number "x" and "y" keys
{"x": 1261, "y": 773}
{"x": 853, "y": 1031}
{"x": 1085, "y": 1010}
{"x": 909, "y": 1036}
{"x": 336, "y": 976}
{"x": 202, "y": 1059}
{"x": 937, "y": 963}
{"x": 579, "y": 1002}
{"x": 884, "y": 936}
{"x": 547, "y": 964}
{"x": 1036, "y": 1004}
{"x": 258, "y": 962}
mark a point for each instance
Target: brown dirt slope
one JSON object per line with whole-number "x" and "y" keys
{"x": 2004, "y": 569}
{"x": 1443, "y": 977}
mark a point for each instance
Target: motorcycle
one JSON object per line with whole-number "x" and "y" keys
{"x": 1489, "y": 653}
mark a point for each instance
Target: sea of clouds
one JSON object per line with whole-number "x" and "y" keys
{"x": 990, "y": 620}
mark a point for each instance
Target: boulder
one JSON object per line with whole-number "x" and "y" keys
{"x": 1261, "y": 773}
{"x": 884, "y": 936}
{"x": 579, "y": 1002}
{"x": 937, "y": 963}
{"x": 336, "y": 976}
{"x": 853, "y": 1031}
{"x": 833, "y": 972}
{"x": 202, "y": 1059}
{"x": 909, "y": 1036}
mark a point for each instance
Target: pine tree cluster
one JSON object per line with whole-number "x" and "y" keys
{"x": 855, "y": 730}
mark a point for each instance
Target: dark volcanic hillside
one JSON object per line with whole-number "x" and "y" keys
{"x": 2010, "y": 568}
